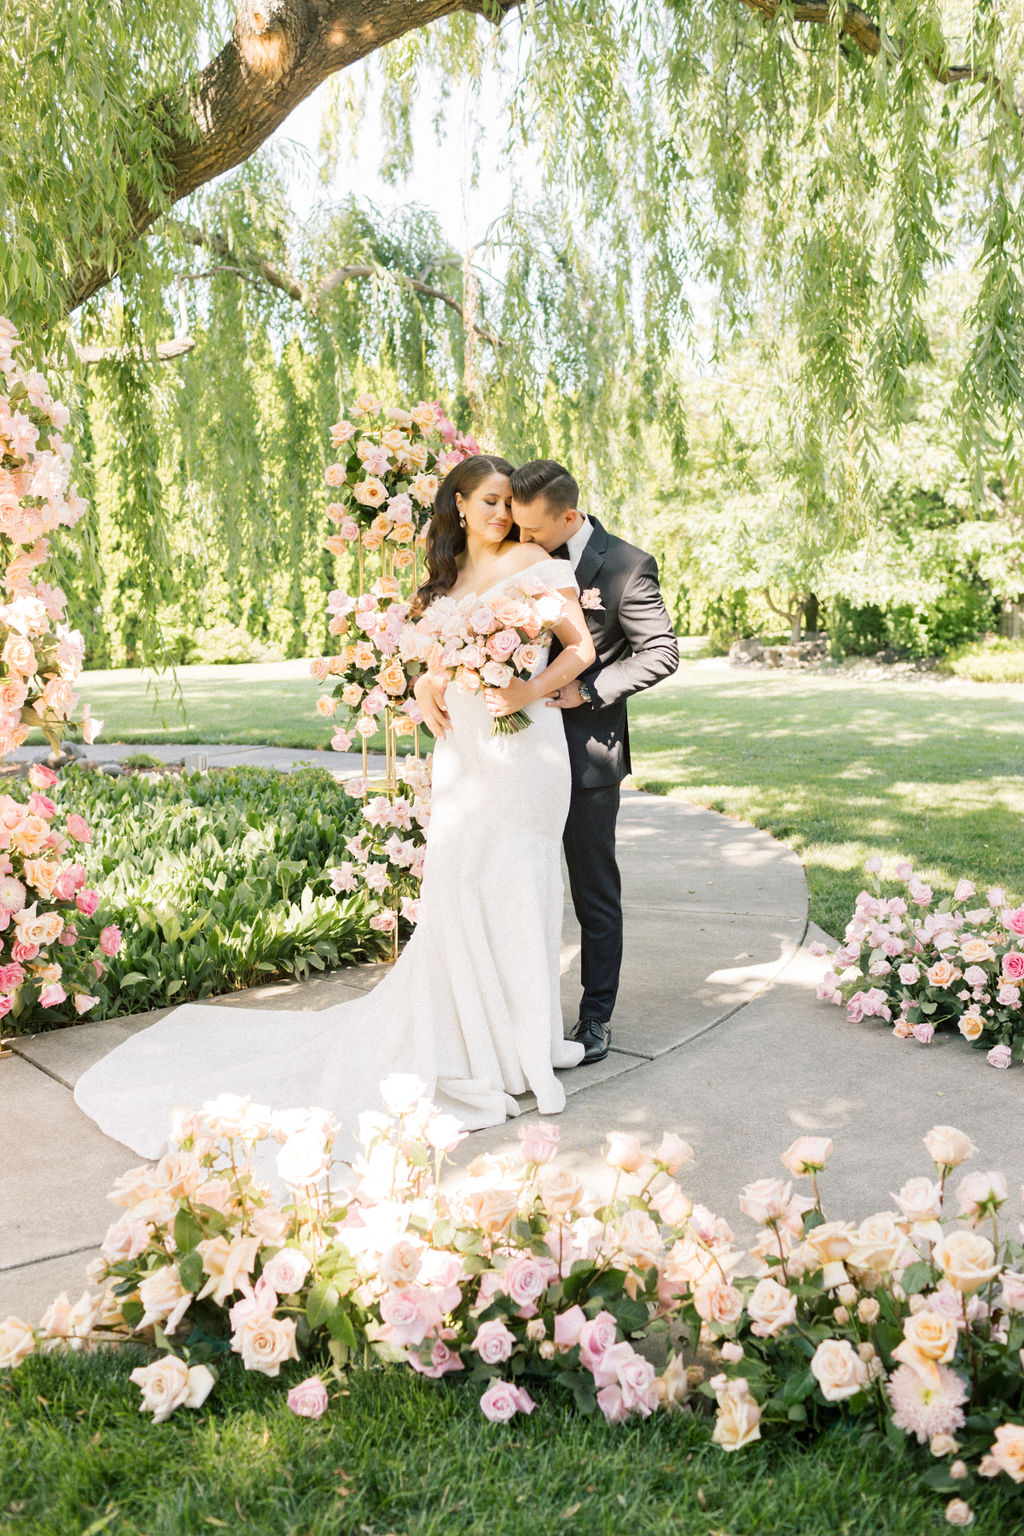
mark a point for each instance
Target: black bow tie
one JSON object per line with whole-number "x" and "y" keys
{"x": 561, "y": 553}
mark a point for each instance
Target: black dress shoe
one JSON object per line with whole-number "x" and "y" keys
{"x": 595, "y": 1037}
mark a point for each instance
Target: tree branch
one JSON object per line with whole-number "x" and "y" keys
{"x": 256, "y": 266}
{"x": 279, "y": 52}
{"x": 866, "y": 34}
{"x": 164, "y": 352}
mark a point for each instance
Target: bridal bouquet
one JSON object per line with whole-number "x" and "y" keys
{"x": 484, "y": 642}
{"x": 922, "y": 965}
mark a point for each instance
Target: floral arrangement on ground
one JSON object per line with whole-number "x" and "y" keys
{"x": 923, "y": 965}
{"x": 518, "y": 1278}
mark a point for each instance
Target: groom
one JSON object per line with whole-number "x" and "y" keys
{"x": 636, "y": 647}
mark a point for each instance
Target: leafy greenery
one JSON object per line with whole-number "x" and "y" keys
{"x": 75, "y": 1452}
{"x": 218, "y": 880}
{"x": 992, "y": 660}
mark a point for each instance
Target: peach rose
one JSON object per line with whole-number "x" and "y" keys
{"x": 942, "y": 973}
{"x": 19, "y": 655}
{"x": 737, "y": 1422}
{"x": 561, "y": 1190}
{"x": 43, "y": 875}
{"x": 492, "y": 1209}
{"x": 971, "y": 1024}
{"x": 31, "y": 836}
{"x": 878, "y": 1246}
{"x": 228, "y": 1263}
{"x": 967, "y": 1260}
{"x": 392, "y": 677}
{"x": 164, "y": 1298}
{"x": 370, "y": 492}
{"x": 716, "y": 1301}
{"x": 976, "y": 951}
{"x": 17, "y": 1342}
{"x": 624, "y": 1152}
{"x": 929, "y": 1339}
{"x": 265, "y": 1342}
{"x": 771, "y": 1308}
{"x": 1008, "y": 1451}
{"x": 838, "y": 1370}
{"x": 947, "y": 1146}
{"x": 164, "y": 1386}
{"x": 808, "y": 1154}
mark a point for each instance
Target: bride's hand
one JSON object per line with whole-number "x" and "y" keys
{"x": 430, "y": 698}
{"x": 506, "y": 701}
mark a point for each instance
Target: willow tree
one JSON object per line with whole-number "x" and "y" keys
{"x": 802, "y": 154}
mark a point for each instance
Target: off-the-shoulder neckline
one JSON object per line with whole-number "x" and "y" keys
{"x": 512, "y": 576}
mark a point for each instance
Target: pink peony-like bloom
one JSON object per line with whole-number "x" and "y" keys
{"x": 925, "y": 1406}
{"x": 503, "y": 1400}
{"x": 1013, "y": 965}
{"x": 308, "y": 1399}
{"x": 87, "y": 902}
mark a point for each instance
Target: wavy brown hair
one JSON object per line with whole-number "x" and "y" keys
{"x": 446, "y": 537}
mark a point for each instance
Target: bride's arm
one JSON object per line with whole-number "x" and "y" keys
{"x": 576, "y": 656}
{"x": 429, "y": 691}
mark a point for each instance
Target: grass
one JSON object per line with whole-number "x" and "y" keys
{"x": 395, "y": 1454}
{"x": 836, "y": 768}
{"x": 841, "y": 770}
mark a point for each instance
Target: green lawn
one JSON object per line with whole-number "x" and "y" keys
{"x": 401, "y": 1455}
{"x": 837, "y": 769}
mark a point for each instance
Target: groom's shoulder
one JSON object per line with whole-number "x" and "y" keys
{"x": 628, "y": 555}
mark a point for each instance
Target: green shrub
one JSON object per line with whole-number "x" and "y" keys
{"x": 963, "y": 612}
{"x": 989, "y": 660}
{"x": 229, "y": 642}
{"x": 217, "y": 881}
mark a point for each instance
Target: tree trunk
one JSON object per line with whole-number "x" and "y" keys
{"x": 281, "y": 50}
{"x": 812, "y": 616}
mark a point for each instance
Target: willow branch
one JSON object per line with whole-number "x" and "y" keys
{"x": 866, "y": 35}
{"x": 165, "y": 351}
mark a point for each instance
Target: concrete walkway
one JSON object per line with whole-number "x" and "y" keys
{"x": 717, "y": 1036}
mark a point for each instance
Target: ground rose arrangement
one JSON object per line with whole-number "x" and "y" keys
{"x": 520, "y": 1282}
{"x": 920, "y": 965}
{"x": 40, "y": 656}
{"x": 484, "y": 642}
{"x": 53, "y": 947}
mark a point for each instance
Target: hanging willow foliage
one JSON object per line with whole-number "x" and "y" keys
{"x": 809, "y": 160}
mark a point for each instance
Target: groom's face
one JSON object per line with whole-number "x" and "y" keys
{"x": 537, "y": 524}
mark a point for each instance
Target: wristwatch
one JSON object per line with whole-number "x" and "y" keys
{"x": 585, "y": 693}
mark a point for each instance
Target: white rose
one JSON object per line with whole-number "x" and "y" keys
{"x": 947, "y": 1146}
{"x": 164, "y": 1386}
{"x": 771, "y": 1308}
{"x": 286, "y": 1271}
{"x": 164, "y": 1298}
{"x": 304, "y": 1159}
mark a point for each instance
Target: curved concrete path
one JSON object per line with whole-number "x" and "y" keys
{"x": 717, "y": 1036}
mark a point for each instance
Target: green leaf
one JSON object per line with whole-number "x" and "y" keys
{"x": 188, "y": 1230}
{"x": 321, "y": 1302}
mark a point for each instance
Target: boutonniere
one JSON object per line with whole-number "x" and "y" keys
{"x": 590, "y": 599}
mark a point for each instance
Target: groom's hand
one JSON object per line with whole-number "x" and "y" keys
{"x": 430, "y": 699}
{"x": 566, "y": 698}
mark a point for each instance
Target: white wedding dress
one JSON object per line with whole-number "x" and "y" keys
{"x": 472, "y": 1005}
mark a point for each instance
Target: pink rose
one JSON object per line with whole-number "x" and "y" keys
{"x": 539, "y": 1141}
{"x": 308, "y": 1399}
{"x": 41, "y": 805}
{"x": 79, "y": 829}
{"x": 87, "y": 902}
{"x": 442, "y": 1359}
{"x": 909, "y": 974}
{"x": 965, "y": 890}
{"x": 110, "y": 940}
{"x": 494, "y": 1342}
{"x": 11, "y": 976}
{"x": 923, "y": 1033}
{"x": 502, "y": 1401}
{"x": 526, "y": 1279}
{"x": 568, "y": 1327}
{"x": 41, "y": 777}
{"x": 501, "y": 645}
{"x": 596, "y": 1338}
{"x": 919, "y": 892}
{"x": 1013, "y": 965}
{"x": 999, "y": 1056}
{"x": 52, "y": 995}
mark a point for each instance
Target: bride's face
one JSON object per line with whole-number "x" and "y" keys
{"x": 487, "y": 509}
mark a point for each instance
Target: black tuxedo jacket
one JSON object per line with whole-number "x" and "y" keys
{"x": 636, "y": 647}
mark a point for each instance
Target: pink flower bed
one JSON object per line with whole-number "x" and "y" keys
{"x": 919, "y": 965}
{"x": 519, "y": 1281}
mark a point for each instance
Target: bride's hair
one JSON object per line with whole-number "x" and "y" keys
{"x": 446, "y": 537}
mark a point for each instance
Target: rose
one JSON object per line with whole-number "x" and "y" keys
{"x": 737, "y": 1422}
{"x": 672, "y": 1152}
{"x": 942, "y": 973}
{"x": 79, "y": 829}
{"x": 230, "y": 1115}
{"x": 979, "y": 1193}
{"x": 560, "y": 1189}
{"x": 502, "y": 1401}
{"x": 169, "y": 1383}
{"x": 928, "y": 1339}
{"x": 228, "y": 1265}
{"x": 1013, "y": 965}
{"x": 17, "y": 1342}
{"x": 771, "y": 1308}
{"x": 920, "y": 1200}
{"x": 308, "y": 1399}
{"x": 971, "y": 1024}
{"x": 403, "y": 1093}
{"x": 765, "y": 1200}
{"x": 568, "y": 1326}
{"x": 672, "y": 1205}
{"x": 623, "y": 1151}
{"x": 999, "y": 1056}
{"x": 164, "y": 1298}
{"x": 304, "y": 1159}
{"x": 525, "y": 1279}
{"x": 958, "y": 1512}
{"x": 838, "y": 1370}
{"x": 878, "y": 1245}
{"x": 808, "y": 1154}
{"x": 494, "y": 1342}
{"x": 595, "y": 1339}
{"x": 1008, "y": 1451}
{"x": 947, "y": 1146}
{"x": 539, "y": 1141}
{"x": 716, "y": 1301}
{"x": 492, "y": 1209}
{"x": 976, "y": 951}
{"x": 286, "y": 1271}
{"x": 265, "y": 1342}
{"x": 967, "y": 1260}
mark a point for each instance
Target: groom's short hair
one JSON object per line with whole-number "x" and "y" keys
{"x": 544, "y": 477}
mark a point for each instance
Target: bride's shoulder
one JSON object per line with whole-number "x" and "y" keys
{"x": 521, "y": 556}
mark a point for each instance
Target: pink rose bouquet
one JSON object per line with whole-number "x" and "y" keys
{"x": 484, "y": 642}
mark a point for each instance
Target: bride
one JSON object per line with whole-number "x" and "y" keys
{"x": 472, "y": 1005}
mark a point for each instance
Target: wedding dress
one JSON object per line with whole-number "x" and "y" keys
{"x": 472, "y": 1005}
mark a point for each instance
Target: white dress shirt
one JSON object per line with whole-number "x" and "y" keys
{"x": 578, "y": 543}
